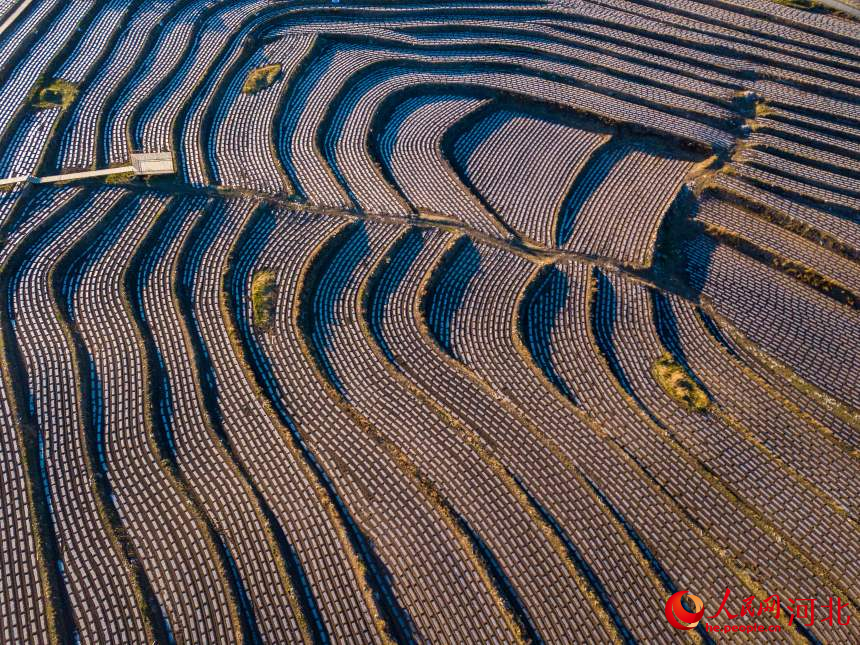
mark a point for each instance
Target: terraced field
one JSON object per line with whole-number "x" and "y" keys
{"x": 472, "y": 322}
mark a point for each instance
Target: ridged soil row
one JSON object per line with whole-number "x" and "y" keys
{"x": 576, "y": 375}
{"x": 80, "y": 141}
{"x": 663, "y": 564}
{"x": 313, "y": 177}
{"x": 761, "y": 532}
{"x": 392, "y": 619}
{"x": 805, "y": 474}
{"x": 817, "y": 128}
{"x": 174, "y": 549}
{"x": 189, "y": 76}
{"x": 772, "y": 126}
{"x": 814, "y": 474}
{"x": 250, "y": 559}
{"x": 333, "y": 572}
{"x": 34, "y": 599}
{"x": 25, "y": 42}
{"x": 505, "y": 364}
{"x": 525, "y": 106}
{"x": 461, "y": 128}
{"x": 825, "y": 463}
{"x": 222, "y": 78}
{"x": 193, "y": 124}
{"x": 820, "y": 24}
{"x": 843, "y": 418}
{"x": 417, "y": 164}
{"x": 795, "y": 260}
{"x": 130, "y": 84}
{"x": 835, "y": 426}
{"x": 17, "y": 119}
{"x": 240, "y": 140}
{"x": 513, "y": 446}
{"x": 351, "y": 146}
{"x": 696, "y": 99}
{"x": 827, "y": 237}
{"x": 812, "y": 30}
{"x": 301, "y": 133}
{"x": 133, "y": 125}
{"x": 799, "y": 188}
{"x": 23, "y": 50}
{"x": 101, "y": 156}
{"x": 425, "y": 557}
{"x": 813, "y": 154}
{"x": 484, "y": 560}
{"x": 198, "y": 238}
{"x": 220, "y": 96}
{"x": 158, "y": 392}
{"x": 346, "y": 343}
{"x": 64, "y": 419}
{"x": 384, "y": 608}
{"x": 791, "y": 162}
{"x": 186, "y": 138}
{"x": 194, "y": 118}
{"x": 377, "y": 62}
{"x": 780, "y": 61}
{"x": 51, "y": 159}
{"x": 598, "y": 69}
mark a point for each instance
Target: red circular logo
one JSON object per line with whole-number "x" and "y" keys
{"x": 678, "y": 616}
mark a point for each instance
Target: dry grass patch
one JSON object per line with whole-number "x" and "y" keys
{"x": 263, "y": 291}
{"x": 805, "y": 5}
{"x": 678, "y": 384}
{"x": 120, "y": 178}
{"x": 762, "y": 109}
{"x": 57, "y": 93}
{"x": 260, "y": 78}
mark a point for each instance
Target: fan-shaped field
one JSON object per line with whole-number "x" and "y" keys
{"x": 457, "y": 323}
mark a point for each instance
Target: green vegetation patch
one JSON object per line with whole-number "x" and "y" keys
{"x": 263, "y": 292}
{"x": 677, "y": 383}
{"x": 120, "y": 178}
{"x": 261, "y": 77}
{"x": 57, "y": 93}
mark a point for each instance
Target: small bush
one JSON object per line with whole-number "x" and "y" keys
{"x": 261, "y": 78}
{"x": 677, "y": 383}
{"x": 263, "y": 291}
{"x": 57, "y": 93}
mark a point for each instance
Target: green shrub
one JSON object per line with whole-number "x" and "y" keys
{"x": 261, "y": 78}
